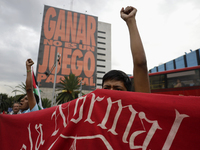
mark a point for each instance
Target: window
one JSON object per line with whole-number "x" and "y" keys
{"x": 157, "y": 82}
{"x": 183, "y": 79}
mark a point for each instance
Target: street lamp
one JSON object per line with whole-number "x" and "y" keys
{"x": 81, "y": 83}
{"x": 54, "y": 84}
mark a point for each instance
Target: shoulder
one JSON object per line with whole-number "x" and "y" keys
{"x": 35, "y": 108}
{"x": 26, "y": 111}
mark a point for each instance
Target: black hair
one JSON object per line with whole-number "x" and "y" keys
{"x": 118, "y": 75}
{"x": 36, "y": 98}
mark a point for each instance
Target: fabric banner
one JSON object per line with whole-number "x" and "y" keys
{"x": 105, "y": 119}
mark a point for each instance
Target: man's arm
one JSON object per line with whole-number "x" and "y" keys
{"x": 140, "y": 72}
{"x": 29, "y": 84}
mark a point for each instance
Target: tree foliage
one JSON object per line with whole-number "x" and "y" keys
{"x": 69, "y": 87}
{"x": 46, "y": 103}
{"x": 21, "y": 88}
{"x": 6, "y": 102}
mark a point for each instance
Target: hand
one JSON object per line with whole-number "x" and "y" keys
{"x": 128, "y": 13}
{"x": 29, "y": 63}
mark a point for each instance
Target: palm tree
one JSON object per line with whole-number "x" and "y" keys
{"x": 46, "y": 103}
{"x": 69, "y": 87}
{"x": 21, "y": 87}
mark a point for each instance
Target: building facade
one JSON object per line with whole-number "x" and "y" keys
{"x": 103, "y": 51}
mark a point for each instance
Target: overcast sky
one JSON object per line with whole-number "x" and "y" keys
{"x": 168, "y": 29}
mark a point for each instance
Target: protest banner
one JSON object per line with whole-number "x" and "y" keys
{"x": 106, "y": 119}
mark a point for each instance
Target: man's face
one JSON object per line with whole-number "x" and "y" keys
{"x": 15, "y": 108}
{"x": 114, "y": 85}
{"x": 24, "y": 103}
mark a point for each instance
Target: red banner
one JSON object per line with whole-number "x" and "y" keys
{"x": 106, "y": 119}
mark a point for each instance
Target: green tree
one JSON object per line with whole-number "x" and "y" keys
{"x": 6, "y": 102}
{"x": 69, "y": 87}
{"x": 46, "y": 103}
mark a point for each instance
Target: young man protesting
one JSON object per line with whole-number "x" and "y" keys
{"x": 118, "y": 80}
{"x": 29, "y": 102}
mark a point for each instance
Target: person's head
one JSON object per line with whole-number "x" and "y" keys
{"x": 116, "y": 80}
{"x": 15, "y": 108}
{"x": 24, "y": 102}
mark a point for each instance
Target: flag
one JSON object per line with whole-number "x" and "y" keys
{"x": 36, "y": 90}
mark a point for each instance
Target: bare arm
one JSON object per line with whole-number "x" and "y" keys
{"x": 140, "y": 72}
{"x": 29, "y": 85}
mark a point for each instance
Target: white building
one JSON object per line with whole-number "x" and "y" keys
{"x": 103, "y": 51}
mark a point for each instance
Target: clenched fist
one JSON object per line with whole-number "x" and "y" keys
{"x": 29, "y": 63}
{"x": 128, "y": 13}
